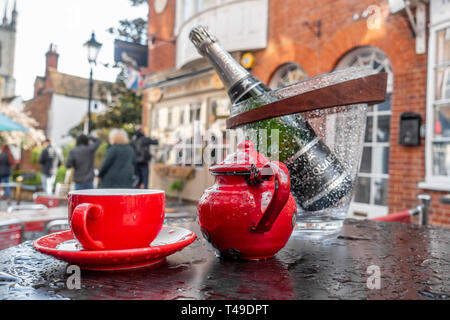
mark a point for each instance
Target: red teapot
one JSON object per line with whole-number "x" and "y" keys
{"x": 249, "y": 212}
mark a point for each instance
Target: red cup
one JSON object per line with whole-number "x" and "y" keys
{"x": 115, "y": 219}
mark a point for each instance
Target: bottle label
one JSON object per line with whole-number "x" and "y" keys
{"x": 303, "y": 150}
{"x": 328, "y": 194}
{"x": 315, "y": 175}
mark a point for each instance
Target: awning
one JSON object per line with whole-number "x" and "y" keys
{"x": 7, "y": 124}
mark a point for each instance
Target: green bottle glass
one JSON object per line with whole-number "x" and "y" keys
{"x": 318, "y": 179}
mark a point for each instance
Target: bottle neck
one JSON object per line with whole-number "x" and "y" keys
{"x": 241, "y": 85}
{"x": 247, "y": 88}
{"x": 229, "y": 71}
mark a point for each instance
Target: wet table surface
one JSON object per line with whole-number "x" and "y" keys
{"x": 414, "y": 263}
{"x": 34, "y": 215}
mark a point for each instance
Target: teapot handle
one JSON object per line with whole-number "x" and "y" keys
{"x": 280, "y": 195}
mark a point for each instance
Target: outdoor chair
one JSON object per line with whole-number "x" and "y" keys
{"x": 11, "y": 233}
{"x": 26, "y": 207}
{"x": 31, "y": 226}
{"x": 56, "y": 226}
{"x": 50, "y": 201}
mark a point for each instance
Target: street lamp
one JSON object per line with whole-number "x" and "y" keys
{"x": 93, "y": 48}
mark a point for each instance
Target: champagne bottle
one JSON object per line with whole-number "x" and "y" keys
{"x": 318, "y": 179}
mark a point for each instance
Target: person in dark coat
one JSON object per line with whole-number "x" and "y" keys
{"x": 141, "y": 145}
{"x": 6, "y": 165}
{"x": 50, "y": 160}
{"x": 118, "y": 167}
{"x": 81, "y": 159}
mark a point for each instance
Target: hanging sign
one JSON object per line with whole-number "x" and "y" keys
{"x": 133, "y": 56}
{"x": 131, "y": 53}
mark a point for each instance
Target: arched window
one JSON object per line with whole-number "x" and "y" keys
{"x": 437, "y": 142}
{"x": 369, "y": 56}
{"x": 287, "y": 74}
{"x": 371, "y": 195}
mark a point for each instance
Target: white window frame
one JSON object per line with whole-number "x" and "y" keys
{"x": 446, "y": 81}
{"x": 155, "y": 119}
{"x": 193, "y": 109}
{"x": 433, "y": 182}
{"x": 285, "y": 69}
{"x": 372, "y": 209}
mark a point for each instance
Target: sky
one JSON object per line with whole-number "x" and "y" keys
{"x": 68, "y": 24}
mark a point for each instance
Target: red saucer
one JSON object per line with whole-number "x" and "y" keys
{"x": 63, "y": 246}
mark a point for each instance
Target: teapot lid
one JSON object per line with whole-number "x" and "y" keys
{"x": 241, "y": 162}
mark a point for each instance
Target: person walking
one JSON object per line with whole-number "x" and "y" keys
{"x": 118, "y": 167}
{"x": 6, "y": 165}
{"x": 81, "y": 159}
{"x": 141, "y": 145}
{"x": 50, "y": 160}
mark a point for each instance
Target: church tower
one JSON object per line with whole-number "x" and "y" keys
{"x": 7, "y": 51}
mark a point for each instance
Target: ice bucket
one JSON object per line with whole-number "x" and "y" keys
{"x": 320, "y": 124}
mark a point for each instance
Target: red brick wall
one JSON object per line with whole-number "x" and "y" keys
{"x": 51, "y": 60}
{"x": 38, "y": 109}
{"x": 161, "y": 53}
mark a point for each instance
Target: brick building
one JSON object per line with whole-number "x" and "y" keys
{"x": 61, "y": 100}
{"x": 291, "y": 40}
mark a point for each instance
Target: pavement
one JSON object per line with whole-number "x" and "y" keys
{"x": 174, "y": 209}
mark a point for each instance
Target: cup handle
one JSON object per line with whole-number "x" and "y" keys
{"x": 280, "y": 195}
{"x": 80, "y": 216}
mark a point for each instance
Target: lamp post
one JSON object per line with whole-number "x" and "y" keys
{"x": 93, "y": 48}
